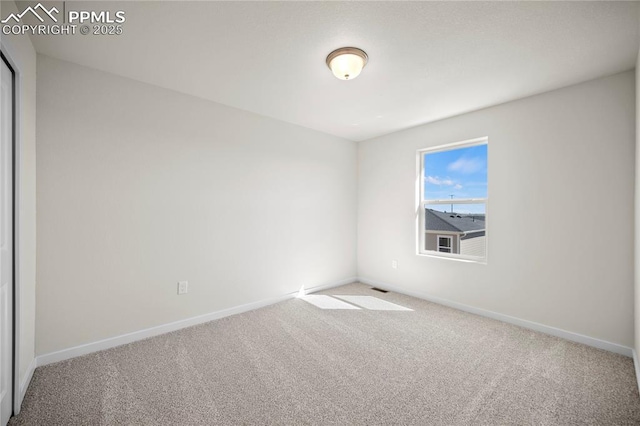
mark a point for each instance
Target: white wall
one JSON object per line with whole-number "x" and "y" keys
{"x": 23, "y": 56}
{"x": 140, "y": 187}
{"x": 561, "y": 199}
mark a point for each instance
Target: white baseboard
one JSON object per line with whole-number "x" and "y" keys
{"x": 173, "y": 326}
{"x": 636, "y": 364}
{"x": 177, "y": 325}
{"x": 568, "y": 335}
{"x": 24, "y": 385}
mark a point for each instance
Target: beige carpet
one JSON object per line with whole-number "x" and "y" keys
{"x": 295, "y": 363}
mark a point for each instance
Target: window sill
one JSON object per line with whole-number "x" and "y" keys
{"x": 456, "y": 258}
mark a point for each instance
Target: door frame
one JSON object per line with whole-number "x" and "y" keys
{"x": 6, "y": 56}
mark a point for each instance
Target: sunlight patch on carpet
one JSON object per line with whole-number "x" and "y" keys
{"x": 327, "y": 302}
{"x": 373, "y": 303}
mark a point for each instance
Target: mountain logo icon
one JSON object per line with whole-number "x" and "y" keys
{"x": 34, "y": 11}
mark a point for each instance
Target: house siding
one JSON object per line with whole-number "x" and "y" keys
{"x": 474, "y": 246}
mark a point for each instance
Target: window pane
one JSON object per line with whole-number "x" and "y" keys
{"x": 444, "y": 242}
{"x": 456, "y": 173}
{"x": 463, "y": 223}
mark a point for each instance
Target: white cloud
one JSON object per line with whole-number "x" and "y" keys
{"x": 457, "y": 186}
{"x": 435, "y": 180}
{"x": 466, "y": 165}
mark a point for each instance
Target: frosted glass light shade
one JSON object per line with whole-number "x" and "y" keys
{"x": 346, "y": 63}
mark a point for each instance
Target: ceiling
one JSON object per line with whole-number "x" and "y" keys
{"x": 427, "y": 60}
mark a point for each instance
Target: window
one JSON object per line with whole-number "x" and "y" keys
{"x": 453, "y": 200}
{"x": 444, "y": 244}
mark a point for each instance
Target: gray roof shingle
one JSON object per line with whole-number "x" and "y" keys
{"x": 451, "y": 222}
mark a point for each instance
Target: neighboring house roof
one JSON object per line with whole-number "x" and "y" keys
{"x": 451, "y": 222}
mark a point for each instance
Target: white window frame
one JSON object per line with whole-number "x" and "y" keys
{"x": 421, "y": 204}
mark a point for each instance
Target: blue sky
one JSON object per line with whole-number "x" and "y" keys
{"x": 459, "y": 172}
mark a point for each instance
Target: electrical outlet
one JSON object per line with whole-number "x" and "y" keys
{"x": 394, "y": 264}
{"x": 183, "y": 287}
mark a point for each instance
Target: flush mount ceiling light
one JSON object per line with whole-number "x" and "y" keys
{"x": 346, "y": 63}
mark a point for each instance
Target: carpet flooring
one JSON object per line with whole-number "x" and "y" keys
{"x": 295, "y": 363}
